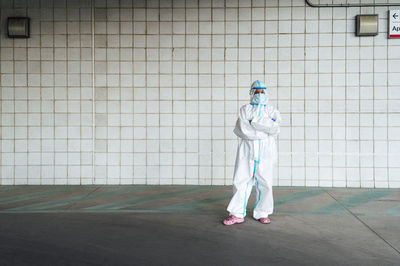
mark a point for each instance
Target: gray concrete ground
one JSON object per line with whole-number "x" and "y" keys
{"x": 181, "y": 225}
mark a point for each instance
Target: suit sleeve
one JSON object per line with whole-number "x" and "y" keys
{"x": 245, "y": 130}
{"x": 267, "y": 125}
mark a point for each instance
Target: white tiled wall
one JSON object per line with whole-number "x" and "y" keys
{"x": 168, "y": 79}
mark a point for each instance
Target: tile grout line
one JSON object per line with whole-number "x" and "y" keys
{"x": 93, "y": 92}
{"x": 1, "y": 122}
{"x": 121, "y": 140}
{"x": 387, "y": 109}
{"x": 331, "y": 99}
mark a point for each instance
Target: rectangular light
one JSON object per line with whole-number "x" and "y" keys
{"x": 18, "y": 27}
{"x": 367, "y": 25}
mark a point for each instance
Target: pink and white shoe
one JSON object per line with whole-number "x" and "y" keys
{"x": 233, "y": 220}
{"x": 264, "y": 220}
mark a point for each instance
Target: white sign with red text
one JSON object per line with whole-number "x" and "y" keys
{"x": 394, "y": 23}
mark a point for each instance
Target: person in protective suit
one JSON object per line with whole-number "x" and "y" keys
{"x": 257, "y": 126}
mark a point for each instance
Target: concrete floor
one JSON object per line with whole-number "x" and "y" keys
{"x": 181, "y": 225}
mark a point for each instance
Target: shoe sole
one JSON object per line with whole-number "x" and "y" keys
{"x": 262, "y": 222}
{"x": 233, "y": 223}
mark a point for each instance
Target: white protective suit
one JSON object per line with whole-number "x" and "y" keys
{"x": 255, "y": 157}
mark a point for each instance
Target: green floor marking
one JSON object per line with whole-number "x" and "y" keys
{"x": 207, "y": 201}
{"x": 297, "y": 196}
{"x": 66, "y": 201}
{"x": 216, "y": 212}
{"x": 191, "y": 206}
{"x": 6, "y": 188}
{"x": 197, "y": 203}
{"x": 84, "y": 211}
{"x": 395, "y": 211}
{"x": 39, "y": 194}
{"x": 340, "y": 205}
{"x": 18, "y": 189}
{"x": 310, "y": 213}
{"x": 147, "y": 198}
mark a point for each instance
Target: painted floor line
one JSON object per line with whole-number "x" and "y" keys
{"x": 80, "y": 198}
{"x": 144, "y": 199}
{"x": 36, "y": 195}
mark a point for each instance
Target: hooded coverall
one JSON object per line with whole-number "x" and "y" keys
{"x": 257, "y": 127}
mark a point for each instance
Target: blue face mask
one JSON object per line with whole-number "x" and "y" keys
{"x": 260, "y": 98}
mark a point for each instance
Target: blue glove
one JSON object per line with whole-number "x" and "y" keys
{"x": 250, "y": 121}
{"x": 273, "y": 119}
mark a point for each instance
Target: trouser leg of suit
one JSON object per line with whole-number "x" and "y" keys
{"x": 242, "y": 185}
{"x": 264, "y": 199}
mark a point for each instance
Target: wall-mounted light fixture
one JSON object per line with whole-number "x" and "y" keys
{"x": 367, "y": 25}
{"x": 18, "y": 27}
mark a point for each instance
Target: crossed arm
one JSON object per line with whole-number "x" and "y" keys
{"x": 257, "y": 128}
